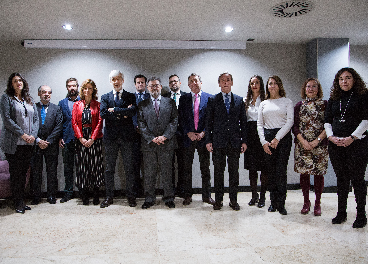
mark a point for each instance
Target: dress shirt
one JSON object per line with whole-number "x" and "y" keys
{"x": 71, "y": 103}
{"x": 199, "y": 98}
{"x": 177, "y": 97}
{"x": 120, "y": 93}
{"x": 158, "y": 100}
{"x": 252, "y": 112}
{"x": 224, "y": 96}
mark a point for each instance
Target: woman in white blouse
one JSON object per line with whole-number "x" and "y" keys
{"x": 254, "y": 156}
{"x": 275, "y": 119}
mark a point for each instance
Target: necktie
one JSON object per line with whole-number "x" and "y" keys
{"x": 196, "y": 112}
{"x": 117, "y": 98}
{"x": 43, "y": 113}
{"x": 140, "y": 97}
{"x": 227, "y": 102}
{"x": 174, "y": 97}
{"x": 156, "y": 107}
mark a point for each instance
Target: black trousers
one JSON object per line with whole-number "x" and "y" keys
{"x": 204, "y": 161}
{"x": 276, "y": 166}
{"x": 178, "y": 153}
{"x": 112, "y": 148}
{"x": 18, "y": 166}
{"x": 51, "y": 160}
{"x": 349, "y": 164}
{"x": 219, "y": 161}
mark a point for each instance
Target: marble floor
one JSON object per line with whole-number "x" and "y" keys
{"x": 73, "y": 233}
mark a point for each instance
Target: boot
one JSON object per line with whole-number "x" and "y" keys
{"x": 253, "y": 176}
{"x": 305, "y": 185}
{"x": 361, "y": 220}
{"x": 339, "y": 218}
{"x": 318, "y": 189}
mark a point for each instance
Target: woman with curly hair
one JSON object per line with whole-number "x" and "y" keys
{"x": 87, "y": 126}
{"x": 346, "y": 120}
{"x": 310, "y": 155}
{"x": 254, "y": 156}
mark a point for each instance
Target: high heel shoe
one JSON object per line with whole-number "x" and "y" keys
{"x": 306, "y": 208}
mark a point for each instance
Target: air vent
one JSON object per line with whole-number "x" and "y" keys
{"x": 292, "y": 9}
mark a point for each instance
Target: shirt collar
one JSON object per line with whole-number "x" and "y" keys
{"x": 114, "y": 91}
{"x": 158, "y": 98}
{"x": 199, "y": 94}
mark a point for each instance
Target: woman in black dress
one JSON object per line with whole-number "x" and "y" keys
{"x": 346, "y": 120}
{"x": 87, "y": 126}
{"x": 254, "y": 156}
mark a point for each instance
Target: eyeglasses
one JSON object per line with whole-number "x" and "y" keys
{"x": 154, "y": 86}
{"x": 174, "y": 81}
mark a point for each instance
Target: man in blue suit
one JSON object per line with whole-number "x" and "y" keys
{"x": 192, "y": 118}
{"x": 118, "y": 108}
{"x": 140, "y": 95}
{"x": 67, "y": 141}
{"x": 226, "y": 137}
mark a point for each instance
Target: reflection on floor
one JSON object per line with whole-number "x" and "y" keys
{"x": 73, "y": 233}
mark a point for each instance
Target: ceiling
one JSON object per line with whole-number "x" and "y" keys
{"x": 181, "y": 20}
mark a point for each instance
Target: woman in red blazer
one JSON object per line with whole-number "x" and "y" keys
{"x": 87, "y": 126}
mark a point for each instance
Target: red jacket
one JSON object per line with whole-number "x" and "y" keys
{"x": 97, "y": 121}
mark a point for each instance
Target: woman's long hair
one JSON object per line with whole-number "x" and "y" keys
{"x": 25, "y": 91}
{"x": 359, "y": 86}
{"x": 262, "y": 94}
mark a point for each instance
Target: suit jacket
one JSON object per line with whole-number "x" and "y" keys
{"x": 96, "y": 119}
{"x": 119, "y": 124}
{"x": 186, "y": 116}
{"x": 68, "y": 132}
{"x": 11, "y": 132}
{"x": 135, "y": 118}
{"x": 223, "y": 128}
{"x": 179, "y": 134}
{"x": 52, "y": 127}
{"x": 165, "y": 125}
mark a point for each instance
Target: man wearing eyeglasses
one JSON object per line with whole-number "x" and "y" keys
{"x": 175, "y": 94}
{"x": 157, "y": 122}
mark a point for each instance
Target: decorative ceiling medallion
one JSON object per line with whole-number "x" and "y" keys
{"x": 292, "y": 8}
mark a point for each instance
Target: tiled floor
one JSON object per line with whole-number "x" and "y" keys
{"x": 72, "y": 233}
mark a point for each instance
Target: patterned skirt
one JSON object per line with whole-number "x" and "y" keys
{"x": 313, "y": 162}
{"x": 89, "y": 165}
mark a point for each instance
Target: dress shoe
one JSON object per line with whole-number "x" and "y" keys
{"x": 317, "y": 210}
{"x": 282, "y": 210}
{"x": 209, "y": 201}
{"x": 339, "y": 218}
{"x": 132, "y": 202}
{"x": 306, "y": 208}
{"x": 26, "y": 207}
{"x": 217, "y": 206}
{"x": 253, "y": 201}
{"x": 170, "y": 204}
{"x": 234, "y": 205}
{"x": 272, "y": 208}
{"x": 51, "y": 200}
{"x": 20, "y": 210}
{"x": 147, "y": 205}
{"x": 36, "y": 201}
{"x": 187, "y": 201}
{"x": 261, "y": 202}
{"x": 360, "y": 221}
{"x": 65, "y": 198}
{"x": 107, "y": 202}
{"x": 96, "y": 200}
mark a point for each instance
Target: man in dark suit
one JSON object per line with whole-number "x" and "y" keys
{"x": 118, "y": 108}
{"x": 158, "y": 122}
{"x": 226, "y": 137}
{"x": 175, "y": 94}
{"x": 47, "y": 145}
{"x": 140, "y": 95}
{"x": 67, "y": 140}
{"x": 192, "y": 118}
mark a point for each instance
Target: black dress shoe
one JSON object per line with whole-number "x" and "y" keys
{"x": 217, "y": 206}
{"x": 65, "y": 199}
{"x": 170, "y": 204}
{"x": 107, "y": 202}
{"x": 282, "y": 210}
{"x": 360, "y": 221}
{"x": 209, "y": 201}
{"x": 26, "y": 207}
{"x": 51, "y": 200}
{"x": 20, "y": 210}
{"x": 272, "y": 208}
{"x": 234, "y": 205}
{"x": 339, "y": 218}
{"x": 187, "y": 201}
{"x": 132, "y": 202}
{"x": 253, "y": 201}
{"x": 261, "y": 203}
{"x": 147, "y": 205}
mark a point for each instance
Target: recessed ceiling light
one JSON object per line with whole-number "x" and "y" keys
{"x": 67, "y": 27}
{"x": 228, "y": 29}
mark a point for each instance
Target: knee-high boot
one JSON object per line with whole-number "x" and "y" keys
{"x": 305, "y": 185}
{"x": 319, "y": 181}
{"x": 360, "y": 198}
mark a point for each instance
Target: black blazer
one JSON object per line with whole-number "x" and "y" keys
{"x": 223, "y": 128}
{"x": 118, "y": 124}
{"x": 52, "y": 129}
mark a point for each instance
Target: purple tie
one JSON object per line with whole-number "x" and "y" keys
{"x": 156, "y": 107}
{"x": 196, "y": 112}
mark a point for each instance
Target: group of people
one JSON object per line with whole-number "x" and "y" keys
{"x": 152, "y": 130}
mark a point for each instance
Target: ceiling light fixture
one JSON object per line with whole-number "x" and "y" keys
{"x": 67, "y": 27}
{"x": 228, "y": 29}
